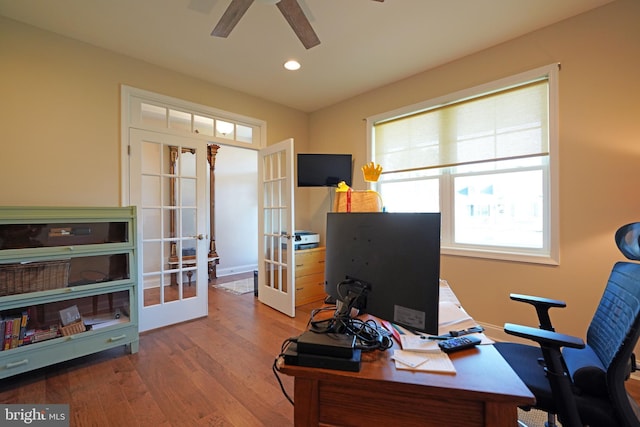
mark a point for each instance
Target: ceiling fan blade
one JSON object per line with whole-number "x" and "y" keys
{"x": 231, "y": 17}
{"x": 296, "y": 18}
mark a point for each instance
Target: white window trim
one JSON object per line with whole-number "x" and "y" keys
{"x": 553, "y": 222}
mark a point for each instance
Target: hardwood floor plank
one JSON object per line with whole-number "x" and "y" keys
{"x": 229, "y": 409}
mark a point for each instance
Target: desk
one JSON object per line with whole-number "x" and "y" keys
{"x": 484, "y": 392}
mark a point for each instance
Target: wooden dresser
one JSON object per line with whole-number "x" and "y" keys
{"x": 309, "y": 275}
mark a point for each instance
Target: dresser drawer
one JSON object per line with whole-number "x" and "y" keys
{"x": 35, "y": 356}
{"x": 309, "y": 288}
{"x": 309, "y": 261}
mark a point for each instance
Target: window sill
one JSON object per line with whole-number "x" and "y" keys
{"x": 501, "y": 255}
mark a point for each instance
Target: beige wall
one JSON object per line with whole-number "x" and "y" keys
{"x": 59, "y": 133}
{"x": 60, "y": 116}
{"x": 599, "y": 156}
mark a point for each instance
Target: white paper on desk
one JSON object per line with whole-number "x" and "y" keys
{"x": 452, "y": 317}
{"x": 416, "y": 343}
{"x": 437, "y": 362}
{"x": 409, "y": 358}
{"x": 446, "y": 293}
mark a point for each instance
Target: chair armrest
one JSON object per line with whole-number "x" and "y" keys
{"x": 542, "y": 306}
{"x": 548, "y": 302}
{"x": 544, "y": 337}
{"x": 551, "y": 344}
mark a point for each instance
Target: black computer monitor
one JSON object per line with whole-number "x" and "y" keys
{"x": 387, "y": 265}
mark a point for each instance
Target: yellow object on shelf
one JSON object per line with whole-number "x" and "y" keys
{"x": 74, "y": 328}
{"x": 349, "y": 200}
{"x": 371, "y": 172}
{"x": 357, "y": 201}
{"x": 342, "y": 187}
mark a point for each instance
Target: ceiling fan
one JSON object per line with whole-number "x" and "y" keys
{"x": 290, "y": 9}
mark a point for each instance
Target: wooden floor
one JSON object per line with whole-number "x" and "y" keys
{"x": 214, "y": 371}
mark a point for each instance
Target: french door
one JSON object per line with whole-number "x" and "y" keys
{"x": 168, "y": 186}
{"x": 276, "y": 257}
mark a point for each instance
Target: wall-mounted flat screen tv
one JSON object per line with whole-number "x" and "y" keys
{"x": 324, "y": 170}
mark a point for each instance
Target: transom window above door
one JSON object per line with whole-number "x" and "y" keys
{"x": 164, "y": 114}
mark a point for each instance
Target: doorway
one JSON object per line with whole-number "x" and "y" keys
{"x": 194, "y": 125}
{"x": 236, "y": 210}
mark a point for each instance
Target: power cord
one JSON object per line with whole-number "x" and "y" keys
{"x": 275, "y": 368}
{"x": 369, "y": 335}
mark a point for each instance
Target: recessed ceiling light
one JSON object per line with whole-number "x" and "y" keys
{"x": 292, "y": 65}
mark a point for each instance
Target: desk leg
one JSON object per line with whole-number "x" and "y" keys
{"x": 305, "y": 397}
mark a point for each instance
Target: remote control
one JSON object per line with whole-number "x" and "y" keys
{"x": 458, "y": 343}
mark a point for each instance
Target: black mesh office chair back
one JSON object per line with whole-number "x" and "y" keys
{"x": 584, "y": 383}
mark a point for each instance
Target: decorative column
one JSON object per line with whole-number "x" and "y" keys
{"x": 212, "y": 150}
{"x": 173, "y": 159}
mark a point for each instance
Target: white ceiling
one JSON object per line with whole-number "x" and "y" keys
{"x": 364, "y": 44}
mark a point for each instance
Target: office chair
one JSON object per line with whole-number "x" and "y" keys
{"x": 583, "y": 383}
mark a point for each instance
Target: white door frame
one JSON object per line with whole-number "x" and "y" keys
{"x": 130, "y": 102}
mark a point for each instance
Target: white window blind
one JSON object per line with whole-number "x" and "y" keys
{"x": 503, "y": 125}
{"x": 486, "y": 157}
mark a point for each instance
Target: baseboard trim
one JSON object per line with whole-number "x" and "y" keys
{"x": 238, "y": 269}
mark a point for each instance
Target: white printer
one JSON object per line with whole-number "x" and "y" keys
{"x": 305, "y": 240}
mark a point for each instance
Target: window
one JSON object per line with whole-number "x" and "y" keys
{"x": 485, "y": 158}
{"x": 147, "y": 110}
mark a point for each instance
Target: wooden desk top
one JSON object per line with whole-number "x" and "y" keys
{"x": 484, "y": 391}
{"x": 481, "y": 372}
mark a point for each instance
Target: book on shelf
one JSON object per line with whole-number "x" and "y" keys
{"x": 45, "y": 334}
{"x": 15, "y": 332}
{"x": 7, "y": 334}
{"x": 60, "y": 231}
{"x": 98, "y": 322}
{"x": 24, "y": 320}
{"x": 12, "y": 329}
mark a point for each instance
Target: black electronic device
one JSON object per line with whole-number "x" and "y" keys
{"x": 387, "y": 265}
{"x": 459, "y": 343}
{"x": 324, "y": 170}
{"x": 326, "y": 344}
{"x": 293, "y": 357}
